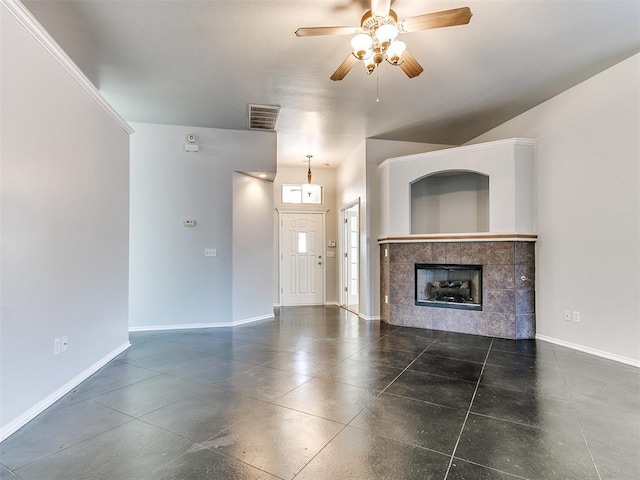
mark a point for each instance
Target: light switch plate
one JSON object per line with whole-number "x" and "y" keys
{"x": 210, "y": 252}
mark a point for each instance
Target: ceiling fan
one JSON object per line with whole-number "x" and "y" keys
{"x": 376, "y": 37}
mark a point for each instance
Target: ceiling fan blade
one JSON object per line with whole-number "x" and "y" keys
{"x": 380, "y": 8}
{"x": 410, "y": 65}
{"x": 316, "y": 31}
{"x": 344, "y": 68}
{"x": 446, "y": 18}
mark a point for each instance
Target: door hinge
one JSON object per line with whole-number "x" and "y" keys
{"x": 346, "y": 255}
{"x": 346, "y": 289}
{"x": 346, "y": 221}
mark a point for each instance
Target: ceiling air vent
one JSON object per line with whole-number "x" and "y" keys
{"x": 263, "y": 117}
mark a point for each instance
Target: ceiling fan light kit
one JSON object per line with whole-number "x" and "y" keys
{"x": 376, "y": 38}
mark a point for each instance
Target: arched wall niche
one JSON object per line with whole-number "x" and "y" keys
{"x": 508, "y": 164}
{"x": 450, "y": 201}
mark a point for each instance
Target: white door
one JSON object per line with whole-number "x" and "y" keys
{"x": 351, "y": 260}
{"x": 301, "y": 258}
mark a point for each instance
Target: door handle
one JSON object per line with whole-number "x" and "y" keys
{"x": 319, "y": 263}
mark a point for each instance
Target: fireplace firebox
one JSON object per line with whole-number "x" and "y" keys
{"x": 449, "y": 286}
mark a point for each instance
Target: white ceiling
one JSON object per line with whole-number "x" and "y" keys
{"x": 200, "y": 63}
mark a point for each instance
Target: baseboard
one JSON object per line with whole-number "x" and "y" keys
{"x": 332, "y": 304}
{"x": 192, "y": 326}
{"x": 41, "y": 406}
{"x": 589, "y": 350}
{"x": 368, "y": 318}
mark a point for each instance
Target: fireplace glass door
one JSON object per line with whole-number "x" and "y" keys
{"x": 449, "y": 286}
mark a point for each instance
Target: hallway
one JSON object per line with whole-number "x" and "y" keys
{"x": 318, "y": 393}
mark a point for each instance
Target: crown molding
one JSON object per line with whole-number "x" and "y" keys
{"x": 29, "y": 22}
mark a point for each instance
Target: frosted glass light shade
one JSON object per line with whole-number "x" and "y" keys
{"x": 369, "y": 64}
{"x": 361, "y": 45}
{"x": 386, "y": 33}
{"x": 395, "y": 51}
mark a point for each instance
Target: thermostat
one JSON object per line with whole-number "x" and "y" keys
{"x": 189, "y": 223}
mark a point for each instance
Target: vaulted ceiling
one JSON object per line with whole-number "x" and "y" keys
{"x": 199, "y": 63}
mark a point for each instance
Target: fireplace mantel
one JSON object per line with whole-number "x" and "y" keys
{"x": 460, "y": 237}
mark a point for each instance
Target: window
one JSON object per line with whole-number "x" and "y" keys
{"x": 306, "y": 193}
{"x": 302, "y": 242}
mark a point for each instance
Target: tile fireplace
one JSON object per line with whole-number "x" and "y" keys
{"x": 506, "y": 274}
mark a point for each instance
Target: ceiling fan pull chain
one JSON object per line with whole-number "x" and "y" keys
{"x": 377, "y": 87}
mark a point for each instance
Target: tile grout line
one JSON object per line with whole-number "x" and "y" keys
{"x": 575, "y": 410}
{"x": 464, "y": 423}
{"x": 407, "y": 367}
{"x": 365, "y": 407}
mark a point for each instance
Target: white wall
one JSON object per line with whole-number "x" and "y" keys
{"x": 65, "y": 202}
{"x": 172, "y": 283}
{"x": 587, "y": 181}
{"x": 507, "y": 163}
{"x": 253, "y": 265}
{"x": 327, "y": 178}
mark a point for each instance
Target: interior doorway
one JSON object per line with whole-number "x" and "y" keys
{"x": 302, "y": 262}
{"x": 350, "y": 278}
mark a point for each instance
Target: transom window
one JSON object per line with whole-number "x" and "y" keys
{"x": 305, "y": 193}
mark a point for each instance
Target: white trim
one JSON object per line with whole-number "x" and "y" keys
{"x": 352, "y": 204}
{"x": 589, "y": 350}
{"x": 29, "y": 22}
{"x": 459, "y": 237}
{"x": 336, "y": 304}
{"x": 302, "y": 210}
{"x": 465, "y": 148}
{"x": 194, "y": 326}
{"x": 42, "y": 405}
{"x": 342, "y": 250}
{"x": 368, "y": 318}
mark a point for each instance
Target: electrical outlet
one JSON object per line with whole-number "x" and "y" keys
{"x": 567, "y": 315}
{"x": 56, "y": 346}
{"x": 576, "y": 317}
{"x": 65, "y": 343}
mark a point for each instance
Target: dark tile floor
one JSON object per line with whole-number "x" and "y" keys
{"x": 320, "y": 394}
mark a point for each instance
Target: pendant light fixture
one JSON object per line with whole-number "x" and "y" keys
{"x": 311, "y": 193}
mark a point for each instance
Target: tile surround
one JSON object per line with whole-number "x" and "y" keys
{"x": 508, "y": 300}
